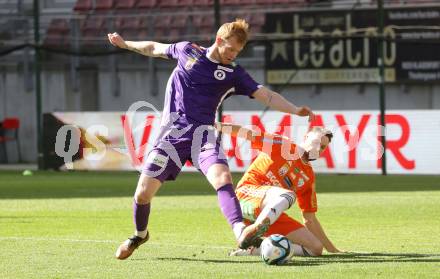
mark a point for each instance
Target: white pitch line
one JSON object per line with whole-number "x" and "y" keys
{"x": 108, "y": 241}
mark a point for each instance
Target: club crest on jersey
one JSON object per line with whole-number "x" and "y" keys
{"x": 219, "y": 74}
{"x": 283, "y": 170}
{"x": 300, "y": 182}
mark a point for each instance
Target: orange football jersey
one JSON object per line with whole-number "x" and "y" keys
{"x": 279, "y": 164}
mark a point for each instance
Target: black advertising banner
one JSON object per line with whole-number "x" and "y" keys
{"x": 340, "y": 46}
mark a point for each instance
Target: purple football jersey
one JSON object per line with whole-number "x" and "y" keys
{"x": 198, "y": 85}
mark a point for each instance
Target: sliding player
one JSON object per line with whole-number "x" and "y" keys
{"x": 280, "y": 175}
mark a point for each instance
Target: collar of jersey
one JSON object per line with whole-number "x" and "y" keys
{"x": 208, "y": 55}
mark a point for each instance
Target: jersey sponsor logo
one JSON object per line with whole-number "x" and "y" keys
{"x": 273, "y": 180}
{"x": 157, "y": 159}
{"x": 190, "y": 63}
{"x": 219, "y": 74}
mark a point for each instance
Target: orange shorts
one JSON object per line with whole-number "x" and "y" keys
{"x": 251, "y": 198}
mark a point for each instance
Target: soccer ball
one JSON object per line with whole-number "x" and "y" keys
{"x": 275, "y": 249}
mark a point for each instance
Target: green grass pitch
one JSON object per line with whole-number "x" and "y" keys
{"x": 68, "y": 225}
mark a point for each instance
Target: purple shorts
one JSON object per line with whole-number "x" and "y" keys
{"x": 165, "y": 160}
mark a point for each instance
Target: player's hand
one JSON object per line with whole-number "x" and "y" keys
{"x": 306, "y": 111}
{"x": 335, "y": 250}
{"x": 116, "y": 40}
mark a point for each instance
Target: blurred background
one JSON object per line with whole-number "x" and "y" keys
{"x": 55, "y": 58}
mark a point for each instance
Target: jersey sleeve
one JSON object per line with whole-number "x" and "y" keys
{"x": 176, "y": 50}
{"x": 272, "y": 144}
{"x": 307, "y": 200}
{"x": 245, "y": 84}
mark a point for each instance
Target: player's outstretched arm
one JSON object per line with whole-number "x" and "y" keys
{"x": 147, "y": 48}
{"x": 312, "y": 223}
{"x": 276, "y": 101}
{"x": 235, "y": 130}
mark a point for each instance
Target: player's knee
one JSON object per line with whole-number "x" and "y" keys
{"x": 142, "y": 197}
{"x": 223, "y": 178}
{"x": 145, "y": 190}
{"x": 316, "y": 249}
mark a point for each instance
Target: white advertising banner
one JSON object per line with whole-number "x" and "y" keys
{"x": 120, "y": 141}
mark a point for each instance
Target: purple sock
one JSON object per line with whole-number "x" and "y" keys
{"x": 141, "y": 212}
{"x": 229, "y": 204}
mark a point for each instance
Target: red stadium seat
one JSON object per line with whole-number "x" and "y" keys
{"x": 124, "y": 4}
{"x": 143, "y": 35}
{"x": 94, "y": 30}
{"x": 59, "y": 24}
{"x": 179, "y": 21}
{"x": 167, "y": 3}
{"x": 146, "y": 4}
{"x": 104, "y": 5}
{"x": 162, "y": 21}
{"x": 185, "y": 3}
{"x": 203, "y": 2}
{"x": 208, "y": 21}
{"x": 83, "y": 6}
{"x": 271, "y": 2}
{"x": 57, "y": 34}
{"x": 174, "y": 34}
{"x": 230, "y": 2}
{"x": 159, "y": 34}
{"x": 236, "y": 2}
{"x": 93, "y": 23}
{"x": 9, "y": 132}
{"x": 257, "y": 19}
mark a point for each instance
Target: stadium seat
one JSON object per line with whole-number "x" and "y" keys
{"x": 57, "y": 33}
{"x": 9, "y": 132}
{"x": 103, "y": 5}
{"x": 124, "y": 4}
{"x": 146, "y": 4}
{"x": 167, "y": 3}
{"x": 207, "y": 21}
{"x": 273, "y": 2}
{"x": 203, "y": 3}
{"x": 83, "y": 6}
{"x": 93, "y": 29}
{"x": 163, "y": 21}
{"x": 179, "y": 21}
{"x": 174, "y": 34}
{"x": 257, "y": 19}
{"x": 230, "y": 2}
{"x": 185, "y": 3}
{"x": 237, "y": 2}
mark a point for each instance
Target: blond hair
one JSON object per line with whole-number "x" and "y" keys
{"x": 238, "y": 29}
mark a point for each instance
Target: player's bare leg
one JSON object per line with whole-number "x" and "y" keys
{"x": 220, "y": 178}
{"x": 145, "y": 191}
{"x": 304, "y": 243}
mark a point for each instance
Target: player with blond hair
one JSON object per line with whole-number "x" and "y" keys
{"x": 202, "y": 79}
{"x": 280, "y": 175}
